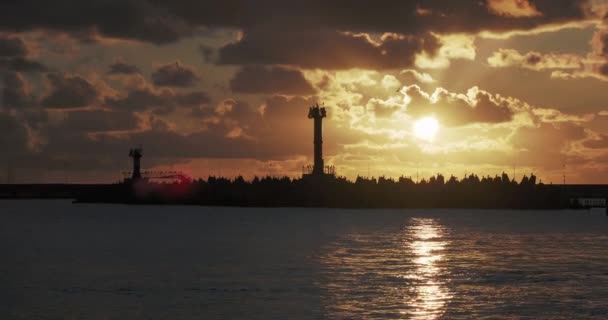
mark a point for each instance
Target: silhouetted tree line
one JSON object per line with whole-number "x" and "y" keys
{"x": 436, "y": 192}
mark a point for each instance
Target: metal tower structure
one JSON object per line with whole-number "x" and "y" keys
{"x": 318, "y": 169}
{"x": 136, "y": 154}
{"x": 318, "y": 113}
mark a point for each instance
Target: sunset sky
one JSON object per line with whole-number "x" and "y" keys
{"x": 223, "y": 87}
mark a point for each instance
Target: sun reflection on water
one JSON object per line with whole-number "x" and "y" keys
{"x": 431, "y": 292}
{"x": 388, "y": 275}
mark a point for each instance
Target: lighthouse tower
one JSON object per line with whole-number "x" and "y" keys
{"x": 318, "y": 169}
{"x": 136, "y": 154}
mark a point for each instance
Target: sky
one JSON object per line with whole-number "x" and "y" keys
{"x": 224, "y": 87}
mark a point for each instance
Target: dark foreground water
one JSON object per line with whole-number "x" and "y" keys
{"x": 64, "y": 261}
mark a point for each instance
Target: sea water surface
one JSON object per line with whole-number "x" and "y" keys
{"x": 89, "y": 261}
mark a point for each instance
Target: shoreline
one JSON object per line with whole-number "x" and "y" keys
{"x": 333, "y": 194}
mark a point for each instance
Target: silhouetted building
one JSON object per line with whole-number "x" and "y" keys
{"x": 136, "y": 154}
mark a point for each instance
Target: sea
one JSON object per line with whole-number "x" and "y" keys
{"x": 61, "y": 260}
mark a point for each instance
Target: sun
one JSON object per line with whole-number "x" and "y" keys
{"x": 426, "y": 128}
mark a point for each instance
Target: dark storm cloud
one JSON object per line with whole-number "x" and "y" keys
{"x": 258, "y": 79}
{"x": 203, "y": 111}
{"x": 487, "y": 109}
{"x": 207, "y": 52}
{"x": 12, "y": 47}
{"x": 159, "y": 101}
{"x": 14, "y": 91}
{"x": 14, "y": 137}
{"x": 166, "y": 21}
{"x": 159, "y": 142}
{"x": 35, "y": 117}
{"x": 240, "y": 111}
{"x": 21, "y": 65}
{"x": 325, "y": 49}
{"x": 125, "y": 19}
{"x": 69, "y": 92}
{"x": 175, "y": 75}
{"x": 308, "y": 34}
{"x": 194, "y": 98}
{"x": 121, "y": 67}
{"x": 99, "y": 120}
{"x": 140, "y": 99}
{"x": 405, "y": 17}
{"x": 13, "y": 52}
{"x": 275, "y": 135}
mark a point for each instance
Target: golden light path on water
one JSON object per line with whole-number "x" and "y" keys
{"x": 388, "y": 275}
{"x": 432, "y": 294}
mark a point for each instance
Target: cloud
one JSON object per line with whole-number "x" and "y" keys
{"x": 276, "y": 135}
{"x": 140, "y": 99}
{"x": 534, "y": 60}
{"x": 98, "y": 121}
{"x": 563, "y": 66}
{"x": 344, "y": 39}
{"x": 128, "y": 19}
{"x": 11, "y": 46}
{"x": 451, "y": 47}
{"x": 202, "y": 111}
{"x": 396, "y": 34}
{"x": 603, "y": 70}
{"x": 14, "y": 138}
{"x": 193, "y": 98}
{"x": 477, "y": 106}
{"x": 600, "y": 142}
{"x": 21, "y": 65}
{"x": 159, "y": 101}
{"x": 405, "y": 17}
{"x": 269, "y": 80}
{"x": 166, "y": 22}
{"x": 121, "y": 67}
{"x": 384, "y": 108}
{"x": 13, "y": 55}
{"x": 413, "y": 76}
{"x": 15, "y": 91}
{"x": 332, "y": 49}
{"x": 69, "y": 91}
{"x": 547, "y": 144}
{"x": 513, "y": 8}
{"x": 599, "y": 43}
{"x": 175, "y": 75}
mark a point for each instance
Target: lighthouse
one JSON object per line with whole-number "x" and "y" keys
{"x": 136, "y": 154}
{"x": 318, "y": 169}
{"x": 317, "y": 114}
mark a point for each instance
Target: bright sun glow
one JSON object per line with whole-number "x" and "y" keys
{"x": 426, "y": 128}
